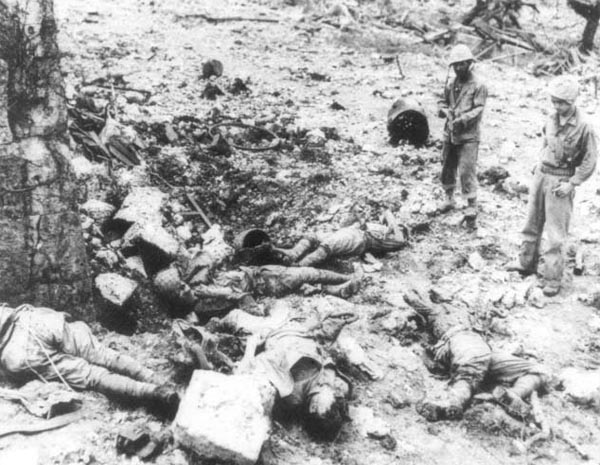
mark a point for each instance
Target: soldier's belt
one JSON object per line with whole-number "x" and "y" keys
{"x": 547, "y": 169}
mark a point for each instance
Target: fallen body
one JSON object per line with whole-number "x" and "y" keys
{"x": 471, "y": 364}
{"x": 346, "y": 242}
{"x": 37, "y": 342}
{"x": 190, "y": 286}
{"x": 286, "y": 353}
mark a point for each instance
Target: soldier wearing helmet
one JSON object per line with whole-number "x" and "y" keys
{"x": 464, "y": 100}
{"x": 568, "y": 158}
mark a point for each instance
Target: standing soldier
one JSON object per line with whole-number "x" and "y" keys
{"x": 568, "y": 158}
{"x": 464, "y": 99}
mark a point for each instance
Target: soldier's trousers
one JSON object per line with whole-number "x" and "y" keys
{"x": 546, "y": 210}
{"x": 460, "y": 158}
{"x": 43, "y": 344}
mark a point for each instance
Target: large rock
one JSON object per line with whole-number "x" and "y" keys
{"x": 225, "y": 417}
{"x": 115, "y": 289}
{"x": 581, "y": 387}
{"x": 142, "y": 206}
{"x": 156, "y": 246}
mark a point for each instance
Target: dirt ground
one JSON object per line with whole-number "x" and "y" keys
{"x": 161, "y": 46}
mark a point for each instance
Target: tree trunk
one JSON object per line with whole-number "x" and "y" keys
{"x": 590, "y": 10}
{"x": 42, "y": 252}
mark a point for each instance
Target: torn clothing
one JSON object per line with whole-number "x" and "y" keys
{"x": 44, "y": 345}
{"x": 292, "y": 361}
{"x": 569, "y": 150}
{"x": 465, "y": 102}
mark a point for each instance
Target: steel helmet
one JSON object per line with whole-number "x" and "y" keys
{"x": 460, "y": 53}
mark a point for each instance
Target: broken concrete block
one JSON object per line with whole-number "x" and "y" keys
{"x": 225, "y": 417}
{"x": 581, "y": 387}
{"x": 99, "y": 211}
{"x": 156, "y": 246}
{"x": 142, "y": 206}
{"x": 114, "y": 288}
{"x": 136, "y": 266}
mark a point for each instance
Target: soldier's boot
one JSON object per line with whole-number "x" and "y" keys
{"x": 160, "y": 398}
{"x": 470, "y": 216}
{"x": 471, "y": 210}
{"x": 511, "y": 402}
{"x": 449, "y": 203}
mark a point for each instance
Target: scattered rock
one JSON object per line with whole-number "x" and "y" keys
{"x": 136, "y": 266}
{"x": 536, "y": 298}
{"x": 115, "y": 289}
{"x": 237, "y": 87}
{"x": 581, "y": 387}
{"x": 476, "y": 261}
{"x": 337, "y": 106}
{"x": 171, "y": 134}
{"x": 142, "y": 206}
{"x": 224, "y": 417}
{"x": 367, "y": 424}
{"x": 108, "y": 258}
{"x": 493, "y": 175}
{"x": 184, "y": 232}
{"x": 397, "y": 401}
{"x": 319, "y": 77}
{"x": 353, "y": 354}
{"x": 211, "y": 92}
{"x": 156, "y": 246}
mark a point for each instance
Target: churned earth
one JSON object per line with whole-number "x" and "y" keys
{"x": 295, "y": 69}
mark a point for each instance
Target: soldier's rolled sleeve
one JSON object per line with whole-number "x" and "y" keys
{"x": 590, "y": 149}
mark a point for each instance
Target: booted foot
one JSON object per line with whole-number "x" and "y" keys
{"x": 550, "y": 290}
{"x": 438, "y": 410}
{"x": 446, "y": 206}
{"x": 165, "y": 400}
{"x": 512, "y": 403}
{"x": 516, "y": 266}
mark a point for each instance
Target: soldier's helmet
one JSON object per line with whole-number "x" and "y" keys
{"x": 460, "y": 53}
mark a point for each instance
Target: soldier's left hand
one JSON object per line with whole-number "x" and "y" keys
{"x": 563, "y": 189}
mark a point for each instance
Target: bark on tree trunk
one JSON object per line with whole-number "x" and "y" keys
{"x": 479, "y": 7}
{"x": 42, "y": 252}
{"x": 590, "y": 10}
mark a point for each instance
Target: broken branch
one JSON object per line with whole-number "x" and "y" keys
{"x": 223, "y": 19}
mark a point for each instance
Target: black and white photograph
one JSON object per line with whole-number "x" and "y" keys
{"x": 299, "y": 232}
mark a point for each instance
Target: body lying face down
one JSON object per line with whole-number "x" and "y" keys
{"x": 471, "y": 364}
